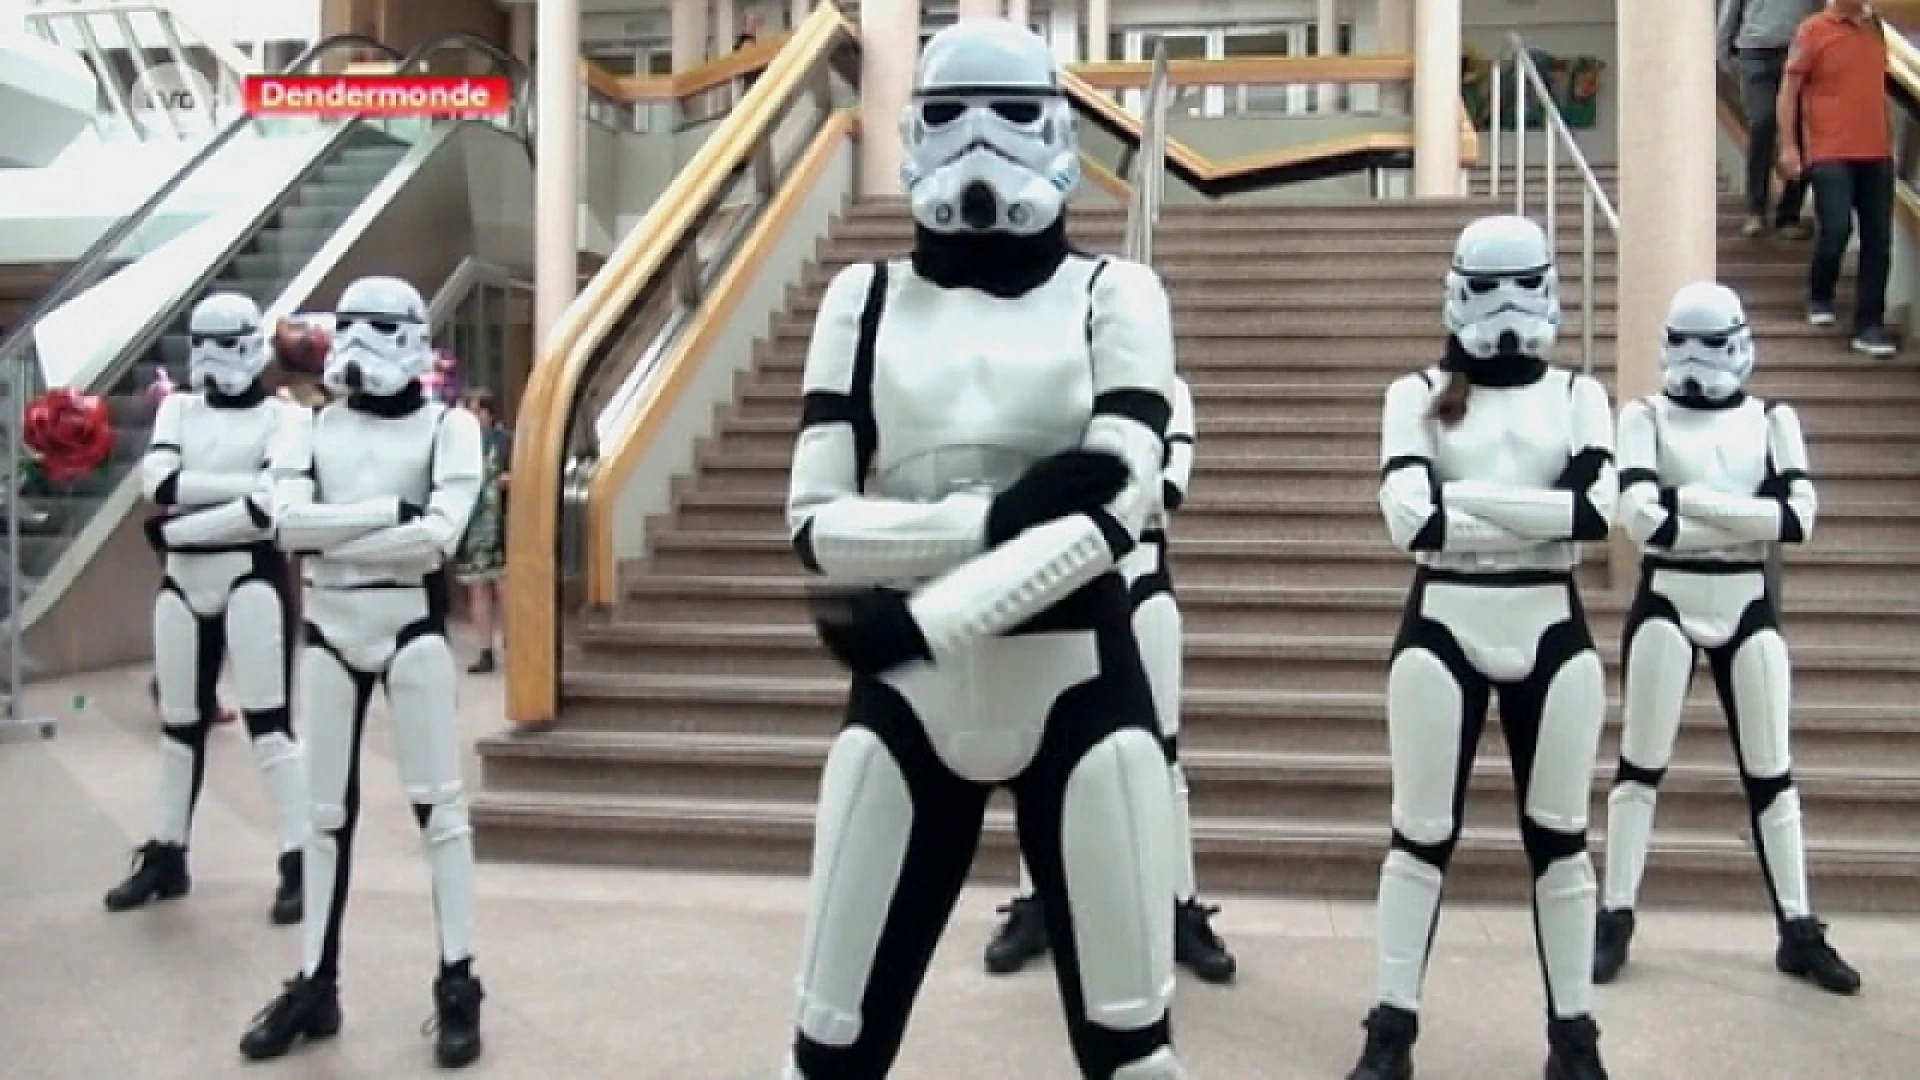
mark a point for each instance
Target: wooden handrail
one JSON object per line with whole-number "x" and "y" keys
{"x": 715, "y": 73}
{"x": 539, "y": 453}
{"x": 1253, "y": 71}
{"x": 690, "y": 352}
{"x": 1381, "y": 68}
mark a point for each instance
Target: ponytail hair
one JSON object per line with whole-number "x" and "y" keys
{"x": 1450, "y": 404}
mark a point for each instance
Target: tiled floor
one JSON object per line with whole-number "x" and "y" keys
{"x": 664, "y": 977}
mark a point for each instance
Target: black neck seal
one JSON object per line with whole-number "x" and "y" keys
{"x": 254, "y": 394}
{"x": 1494, "y": 372}
{"x": 408, "y": 401}
{"x": 998, "y": 264}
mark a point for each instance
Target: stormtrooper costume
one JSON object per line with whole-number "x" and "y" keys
{"x": 224, "y": 591}
{"x": 1495, "y": 467}
{"x": 1156, "y": 623}
{"x": 373, "y": 494}
{"x": 1710, "y": 478}
{"x": 981, "y": 445}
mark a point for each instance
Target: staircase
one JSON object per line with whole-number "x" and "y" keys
{"x": 261, "y": 270}
{"x": 696, "y": 717}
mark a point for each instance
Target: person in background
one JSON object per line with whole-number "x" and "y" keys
{"x": 1835, "y": 95}
{"x": 1755, "y": 36}
{"x": 482, "y": 560}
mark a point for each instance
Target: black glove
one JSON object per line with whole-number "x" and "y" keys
{"x": 1170, "y": 495}
{"x": 1070, "y": 482}
{"x": 870, "y": 631}
{"x": 156, "y": 529}
{"x": 410, "y": 511}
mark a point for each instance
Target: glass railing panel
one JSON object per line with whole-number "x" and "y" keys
{"x": 627, "y": 364}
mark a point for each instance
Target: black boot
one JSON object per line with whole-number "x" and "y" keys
{"x": 1023, "y": 937}
{"x": 483, "y": 665}
{"x": 305, "y": 1009}
{"x": 1388, "y": 1054}
{"x": 1573, "y": 1050}
{"x": 1612, "y": 941}
{"x": 289, "y": 900}
{"x": 1805, "y": 954}
{"x": 1195, "y": 945}
{"x": 456, "y": 1016}
{"x": 159, "y": 873}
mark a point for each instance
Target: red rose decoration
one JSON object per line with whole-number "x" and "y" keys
{"x": 301, "y": 347}
{"x": 71, "y": 434}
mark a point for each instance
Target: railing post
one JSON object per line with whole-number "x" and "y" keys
{"x": 97, "y": 59}
{"x": 1553, "y": 188}
{"x": 1496, "y": 79}
{"x": 1588, "y": 288}
{"x": 1521, "y": 93}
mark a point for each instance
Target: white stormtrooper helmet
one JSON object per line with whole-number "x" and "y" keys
{"x": 228, "y": 346}
{"x": 1503, "y": 287}
{"x": 381, "y": 340}
{"x": 1709, "y": 346}
{"x": 989, "y": 135}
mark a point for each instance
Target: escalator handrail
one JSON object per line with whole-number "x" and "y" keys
{"x": 516, "y": 71}
{"x": 80, "y": 275}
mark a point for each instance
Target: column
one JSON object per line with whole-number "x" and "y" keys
{"x": 979, "y": 9}
{"x": 797, "y": 11}
{"x": 1669, "y": 175}
{"x": 726, "y": 27}
{"x": 1019, "y": 12}
{"x": 1394, "y": 36}
{"x": 558, "y": 95}
{"x": 1099, "y": 23}
{"x": 890, "y": 47}
{"x": 689, "y": 34}
{"x": 1327, "y": 29}
{"x": 1436, "y": 98}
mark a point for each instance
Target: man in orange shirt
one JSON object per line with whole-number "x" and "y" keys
{"x": 1835, "y": 95}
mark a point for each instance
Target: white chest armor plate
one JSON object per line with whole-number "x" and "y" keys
{"x": 1721, "y": 449}
{"x": 1521, "y": 436}
{"x": 970, "y": 389}
{"x": 227, "y": 442}
{"x": 359, "y": 456}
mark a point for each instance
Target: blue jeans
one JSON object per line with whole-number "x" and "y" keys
{"x": 1843, "y": 191}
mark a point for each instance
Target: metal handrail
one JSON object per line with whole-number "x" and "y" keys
{"x": 1148, "y": 175}
{"x": 1531, "y": 86}
{"x": 83, "y": 274}
{"x": 234, "y": 65}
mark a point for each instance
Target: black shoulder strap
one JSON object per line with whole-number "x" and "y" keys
{"x": 866, "y": 430}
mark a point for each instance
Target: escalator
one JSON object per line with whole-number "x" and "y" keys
{"x": 413, "y": 197}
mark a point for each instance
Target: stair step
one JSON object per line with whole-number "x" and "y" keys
{"x": 1842, "y": 804}
{"x": 1293, "y": 857}
{"x": 1866, "y": 620}
{"x": 1275, "y": 662}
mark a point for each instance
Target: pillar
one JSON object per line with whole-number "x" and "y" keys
{"x": 979, "y": 9}
{"x": 1436, "y": 98}
{"x": 1669, "y": 174}
{"x": 1328, "y": 31}
{"x": 726, "y": 27}
{"x": 689, "y": 33}
{"x": 797, "y": 11}
{"x": 1099, "y": 23}
{"x": 558, "y": 95}
{"x": 520, "y": 32}
{"x": 1394, "y": 36}
{"x": 890, "y": 47}
{"x": 1019, "y": 12}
